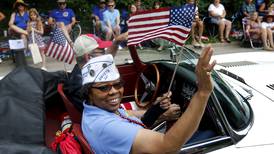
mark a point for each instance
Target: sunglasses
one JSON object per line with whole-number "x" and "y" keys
{"x": 108, "y": 87}
{"x": 62, "y": 3}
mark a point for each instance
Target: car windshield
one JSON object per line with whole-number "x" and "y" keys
{"x": 235, "y": 108}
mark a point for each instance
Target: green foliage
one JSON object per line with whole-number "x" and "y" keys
{"x": 82, "y": 10}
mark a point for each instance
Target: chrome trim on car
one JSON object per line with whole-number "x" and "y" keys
{"x": 208, "y": 145}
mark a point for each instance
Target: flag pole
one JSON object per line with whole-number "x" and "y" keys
{"x": 174, "y": 72}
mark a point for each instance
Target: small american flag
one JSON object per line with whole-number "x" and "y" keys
{"x": 173, "y": 24}
{"x": 59, "y": 47}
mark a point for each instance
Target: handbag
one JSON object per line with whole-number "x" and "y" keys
{"x": 35, "y": 52}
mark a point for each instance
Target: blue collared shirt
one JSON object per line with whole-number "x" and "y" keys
{"x": 107, "y": 132}
{"x": 111, "y": 17}
{"x": 65, "y": 15}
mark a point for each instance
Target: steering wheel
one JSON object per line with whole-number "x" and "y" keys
{"x": 147, "y": 85}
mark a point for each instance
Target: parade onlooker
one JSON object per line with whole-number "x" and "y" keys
{"x": 197, "y": 27}
{"x": 139, "y": 5}
{"x": 267, "y": 31}
{"x": 111, "y": 24}
{"x": 268, "y": 21}
{"x": 97, "y": 13}
{"x": 255, "y": 31}
{"x": 217, "y": 13}
{"x": 63, "y": 17}
{"x": 35, "y": 25}
{"x": 18, "y": 20}
{"x": 124, "y": 16}
{"x": 258, "y": 3}
{"x": 265, "y": 8}
{"x": 133, "y": 10}
{"x": 247, "y": 8}
{"x": 2, "y": 16}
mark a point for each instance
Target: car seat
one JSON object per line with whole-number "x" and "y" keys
{"x": 75, "y": 116}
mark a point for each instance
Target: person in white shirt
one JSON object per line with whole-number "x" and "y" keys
{"x": 267, "y": 32}
{"x": 217, "y": 13}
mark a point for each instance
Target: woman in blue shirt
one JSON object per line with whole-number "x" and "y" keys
{"x": 19, "y": 19}
{"x": 109, "y": 129}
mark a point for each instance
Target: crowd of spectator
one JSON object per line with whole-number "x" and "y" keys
{"x": 110, "y": 21}
{"x": 217, "y": 14}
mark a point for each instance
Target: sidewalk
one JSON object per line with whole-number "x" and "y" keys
{"x": 53, "y": 65}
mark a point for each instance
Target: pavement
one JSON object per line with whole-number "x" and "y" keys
{"x": 123, "y": 55}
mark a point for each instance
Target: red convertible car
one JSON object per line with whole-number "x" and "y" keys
{"x": 32, "y": 102}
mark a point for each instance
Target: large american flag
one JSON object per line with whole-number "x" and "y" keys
{"x": 173, "y": 24}
{"x": 59, "y": 48}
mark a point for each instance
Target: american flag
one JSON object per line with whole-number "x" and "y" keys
{"x": 59, "y": 48}
{"x": 173, "y": 24}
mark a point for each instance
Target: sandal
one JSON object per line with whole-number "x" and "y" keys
{"x": 222, "y": 40}
{"x": 227, "y": 40}
{"x": 268, "y": 48}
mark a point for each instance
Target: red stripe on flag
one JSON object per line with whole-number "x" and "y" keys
{"x": 61, "y": 58}
{"x": 68, "y": 55}
{"x": 158, "y": 30}
{"x": 159, "y": 35}
{"x": 59, "y": 54}
{"x": 71, "y": 59}
{"x": 56, "y": 50}
{"x": 48, "y": 50}
{"x": 149, "y": 25}
{"x": 172, "y": 31}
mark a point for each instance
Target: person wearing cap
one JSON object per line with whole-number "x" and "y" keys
{"x": 268, "y": 21}
{"x": 104, "y": 123}
{"x": 97, "y": 14}
{"x": 19, "y": 19}
{"x": 63, "y": 17}
{"x": 87, "y": 46}
{"x": 111, "y": 24}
